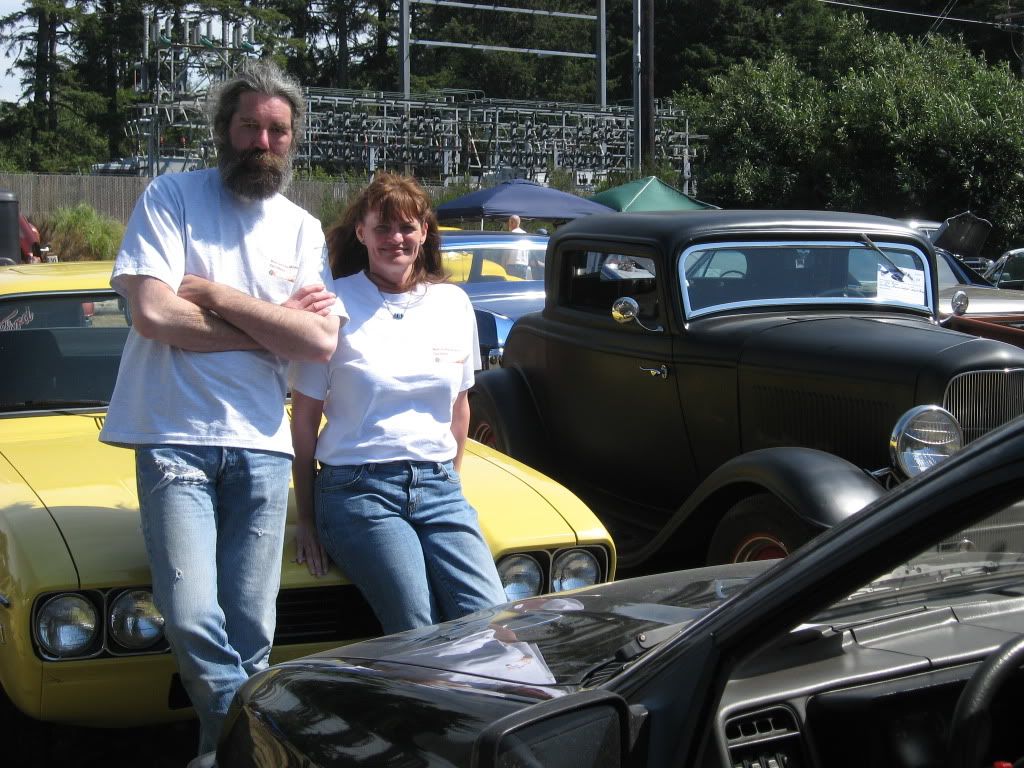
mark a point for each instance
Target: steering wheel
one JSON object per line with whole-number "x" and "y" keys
{"x": 732, "y": 272}
{"x": 971, "y": 728}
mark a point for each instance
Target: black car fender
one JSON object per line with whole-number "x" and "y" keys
{"x": 820, "y": 488}
{"x": 503, "y": 415}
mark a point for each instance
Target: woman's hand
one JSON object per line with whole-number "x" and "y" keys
{"x": 310, "y": 551}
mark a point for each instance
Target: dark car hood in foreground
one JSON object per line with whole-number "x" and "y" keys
{"x": 454, "y": 678}
{"x": 566, "y": 636}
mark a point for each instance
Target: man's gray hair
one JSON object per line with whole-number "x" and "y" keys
{"x": 261, "y": 76}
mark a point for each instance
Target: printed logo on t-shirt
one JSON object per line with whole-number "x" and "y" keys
{"x": 284, "y": 270}
{"x": 452, "y": 355}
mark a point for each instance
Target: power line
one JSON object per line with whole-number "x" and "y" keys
{"x": 933, "y": 16}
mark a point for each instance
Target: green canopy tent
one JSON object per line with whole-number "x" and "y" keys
{"x": 648, "y": 194}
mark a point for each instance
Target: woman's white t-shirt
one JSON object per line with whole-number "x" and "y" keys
{"x": 389, "y": 389}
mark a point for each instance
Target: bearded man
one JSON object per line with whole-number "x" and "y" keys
{"x": 225, "y": 281}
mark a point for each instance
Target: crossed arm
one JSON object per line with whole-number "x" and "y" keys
{"x": 204, "y": 316}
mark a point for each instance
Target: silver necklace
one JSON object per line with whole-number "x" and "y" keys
{"x": 397, "y": 310}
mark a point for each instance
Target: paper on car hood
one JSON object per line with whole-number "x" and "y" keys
{"x": 89, "y": 490}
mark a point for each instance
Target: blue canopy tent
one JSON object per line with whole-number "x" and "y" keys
{"x": 527, "y": 199}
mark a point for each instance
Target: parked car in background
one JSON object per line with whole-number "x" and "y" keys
{"x": 962, "y": 235}
{"x": 894, "y": 639}
{"x": 696, "y": 378}
{"x": 80, "y": 638}
{"x": 503, "y": 273}
{"x": 1008, "y": 270}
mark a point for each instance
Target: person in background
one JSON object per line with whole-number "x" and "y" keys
{"x": 225, "y": 282}
{"x": 386, "y": 504}
{"x": 514, "y": 223}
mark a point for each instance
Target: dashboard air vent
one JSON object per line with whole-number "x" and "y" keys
{"x": 767, "y": 738}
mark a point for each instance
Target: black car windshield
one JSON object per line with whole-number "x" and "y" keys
{"x": 983, "y": 561}
{"x": 60, "y": 351}
{"x": 730, "y": 275}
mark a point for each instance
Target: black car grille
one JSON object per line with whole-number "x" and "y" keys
{"x": 984, "y": 400}
{"x": 323, "y": 614}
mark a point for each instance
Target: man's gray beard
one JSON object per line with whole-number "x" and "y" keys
{"x": 248, "y": 174}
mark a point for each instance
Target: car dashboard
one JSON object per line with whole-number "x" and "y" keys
{"x": 880, "y": 691}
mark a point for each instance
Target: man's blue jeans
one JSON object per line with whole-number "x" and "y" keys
{"x": 405, "y": 535}
{"x": 213, "y": 521}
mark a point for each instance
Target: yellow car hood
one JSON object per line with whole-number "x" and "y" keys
{"x": 89, "y": 490}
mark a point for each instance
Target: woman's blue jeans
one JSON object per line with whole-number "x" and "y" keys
{"x": 213, "y": 521}
{"x": 405, "y": 535}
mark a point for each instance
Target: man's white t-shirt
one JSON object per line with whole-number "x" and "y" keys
{"x": 389, "y": 389}
{"x": 189, "y": 223}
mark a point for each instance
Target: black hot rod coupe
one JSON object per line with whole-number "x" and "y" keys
{"x": 722, "y": 385}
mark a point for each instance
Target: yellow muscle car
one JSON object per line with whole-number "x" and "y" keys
{"x": 80, "y": 639}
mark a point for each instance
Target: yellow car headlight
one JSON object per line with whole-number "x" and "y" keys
{"x": 521, "y": 575}
{"x": 573, "y": 569}
{"x": 67, "y": 626}
{"x": 134, "y": 621}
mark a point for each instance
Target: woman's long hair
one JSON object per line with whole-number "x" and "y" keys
{"x": 394, "y": 197}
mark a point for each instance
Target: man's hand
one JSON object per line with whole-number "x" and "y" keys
{"x": 312, "y": 298}
{"x": 307, "y": 335}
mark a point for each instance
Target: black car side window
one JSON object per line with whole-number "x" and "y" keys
{"x": 596, "y": 279}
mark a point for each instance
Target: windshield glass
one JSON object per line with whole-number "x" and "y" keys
{"x": 60, "y": 350}
{"x": 719, "y": 276}
{"x": 504, "y": 260}
{"x": 983, "y": 561}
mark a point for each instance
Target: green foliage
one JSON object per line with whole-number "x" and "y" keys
{"x": 903, "y": 126}
{"x": 562, "y": 178}
{"x": 81, "y": 234}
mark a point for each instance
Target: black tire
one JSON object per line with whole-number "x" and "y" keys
{"x": 759, "y": 527}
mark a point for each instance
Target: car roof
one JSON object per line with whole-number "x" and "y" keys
{"x": 672, "y": 229}
{"x": 466, "y": 238}
{"x": 62, "y": 276}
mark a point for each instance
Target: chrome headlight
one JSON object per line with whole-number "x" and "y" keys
{"x": 67, "y": 625}
{"x": 573, "y": 569}
{"x": 521, "y": 576}
{"x": 134, "y": 621}
{"x": 923, "y": 437}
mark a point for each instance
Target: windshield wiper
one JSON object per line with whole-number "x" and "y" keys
{"x": 889, "y": 266}
{"x": 648, "y": 639}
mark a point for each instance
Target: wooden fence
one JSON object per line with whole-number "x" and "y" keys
{"x": 41, "y": 194}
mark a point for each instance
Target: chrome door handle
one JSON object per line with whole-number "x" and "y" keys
{"x": 660, "y": 371}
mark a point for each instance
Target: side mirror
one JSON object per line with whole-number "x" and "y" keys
{"x": 626, "y": 310}
{"x": 586, "y": 730}
{"x": 959, "y": 303}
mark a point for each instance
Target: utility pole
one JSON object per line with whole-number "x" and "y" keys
{"x": 648, "y": 91}
{"x": 637, "y": 90}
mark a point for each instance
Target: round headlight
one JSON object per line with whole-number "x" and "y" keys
{"x": 573, "y": 569}
{"x": 521, "y": 576}
{"x": 134, "y": 621}
{"x": 923, "y": 437}
{"x": 67, "y": 625}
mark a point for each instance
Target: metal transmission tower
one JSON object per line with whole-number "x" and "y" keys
{"x": 183, "y": 57}
{"x": 460, "y": 134}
